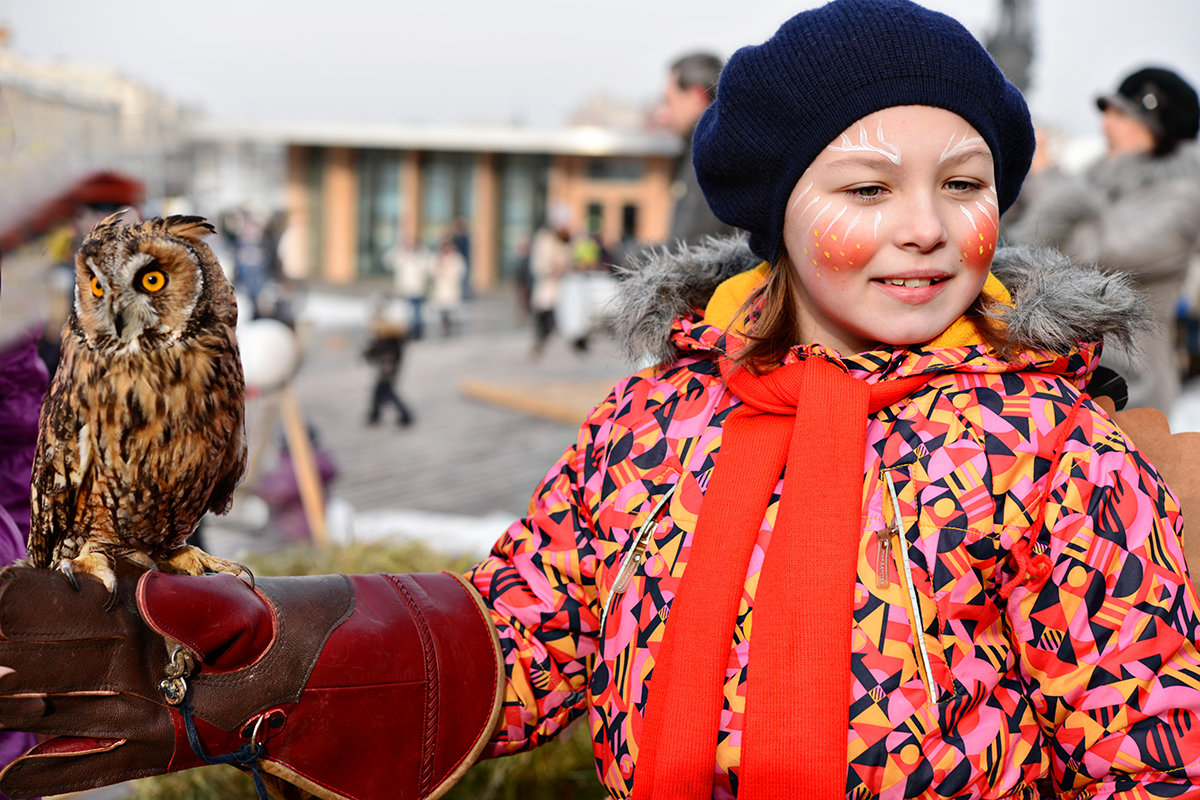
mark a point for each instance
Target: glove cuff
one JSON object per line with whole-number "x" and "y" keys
{"x": 402, "y": 700}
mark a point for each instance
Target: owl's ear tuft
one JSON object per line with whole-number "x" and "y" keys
{"x": 110, "y": 222}
{"x": 188, "y": 226}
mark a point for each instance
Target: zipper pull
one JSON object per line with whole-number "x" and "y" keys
{"x": 882, "y": 581}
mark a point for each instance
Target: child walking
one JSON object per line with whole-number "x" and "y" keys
{"x": 859, "y": 532}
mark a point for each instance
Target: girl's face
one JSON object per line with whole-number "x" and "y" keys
{"x": 892, "y": 229}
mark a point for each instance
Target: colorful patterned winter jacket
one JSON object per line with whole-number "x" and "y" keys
{"x": 1091, "y": 679}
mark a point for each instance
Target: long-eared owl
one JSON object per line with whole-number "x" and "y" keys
{"x": 142, "y": 430}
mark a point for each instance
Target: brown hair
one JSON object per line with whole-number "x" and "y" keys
{"x": 776, "y": 329}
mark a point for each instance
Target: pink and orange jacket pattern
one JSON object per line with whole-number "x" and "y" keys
{"x": 1089, "y": 678}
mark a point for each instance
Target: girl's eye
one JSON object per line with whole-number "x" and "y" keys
{"x": 154, "y": 280}
{"x": 962, "y": 185}
{"x": 97, "y": 289}
{"x": 866, "y": 192}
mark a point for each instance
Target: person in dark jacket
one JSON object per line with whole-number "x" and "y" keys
{"x": 385, "y": 351}
{"x": 690, "y": 88}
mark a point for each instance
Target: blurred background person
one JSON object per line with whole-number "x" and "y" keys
{"x": 446, "y": 289}
{"x": 385, "y": 352}
{"x": 247, "y": 233}
{"x": 23, "y": 383}
{"x": 1137, "y": 209}
{"x": 411, "y": 270}
{"x": 585, "y": 289}
{"x": 691, "y": 85}
{"x": 462, "y": 242}
{"x": 549, "y": 260}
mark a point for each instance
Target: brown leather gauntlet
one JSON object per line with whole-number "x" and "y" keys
{"x": 377, "y": 686}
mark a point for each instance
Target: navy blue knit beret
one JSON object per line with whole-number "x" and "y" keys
{"x": 779, "y": 104}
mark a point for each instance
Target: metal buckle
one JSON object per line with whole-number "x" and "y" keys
{"x": 174, "y": 687}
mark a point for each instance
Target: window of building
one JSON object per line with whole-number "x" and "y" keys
{"x": 446, "y": 193}
{"x": 615, "y": 169}
{"x": 379, "y": 208}
{"x": 522, "y": 208}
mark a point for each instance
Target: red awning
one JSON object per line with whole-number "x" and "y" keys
{"x": 99, "y": 188}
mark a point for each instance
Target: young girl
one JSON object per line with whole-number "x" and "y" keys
{"x": 859, "y": 533}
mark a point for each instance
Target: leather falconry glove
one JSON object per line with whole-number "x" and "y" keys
{"x": 364, "y": 687}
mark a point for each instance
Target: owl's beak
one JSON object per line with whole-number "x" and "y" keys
{"x": 119, "y": 323}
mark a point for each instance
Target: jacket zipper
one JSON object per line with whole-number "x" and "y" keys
{"x": 906, "y": 576}
{"x": 636, "y": 554}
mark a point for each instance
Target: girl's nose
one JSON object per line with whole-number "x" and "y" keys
{"x": 922, "y": 229}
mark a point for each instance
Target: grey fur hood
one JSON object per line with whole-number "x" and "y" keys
{"x": 1057, "y": 304}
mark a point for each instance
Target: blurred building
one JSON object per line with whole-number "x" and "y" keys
{"x": 62, "y": 124}
{"x": 352, "y": 191}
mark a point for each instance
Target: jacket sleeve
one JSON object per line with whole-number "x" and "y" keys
{"x": 539, "y": 582}
{"x": 1108, "y": 645}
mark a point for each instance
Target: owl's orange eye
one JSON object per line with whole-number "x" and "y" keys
{"x": 97, "y": 289}
{"x": 154, "y": 280}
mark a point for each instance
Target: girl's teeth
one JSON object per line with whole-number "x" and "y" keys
{"x": 911, "y": 283}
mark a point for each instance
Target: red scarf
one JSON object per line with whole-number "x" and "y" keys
{"x": 811, "y": 417}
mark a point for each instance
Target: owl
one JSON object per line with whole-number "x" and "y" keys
{"x": 142, "y": 430}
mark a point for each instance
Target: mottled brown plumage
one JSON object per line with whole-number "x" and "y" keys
{"x": 142, "y": 430}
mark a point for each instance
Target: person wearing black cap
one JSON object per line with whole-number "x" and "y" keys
{"x": 1136, "y": 210}
{"x": 857, "y": 532}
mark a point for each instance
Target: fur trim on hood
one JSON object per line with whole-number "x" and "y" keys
{"x": 1056, "y": 304}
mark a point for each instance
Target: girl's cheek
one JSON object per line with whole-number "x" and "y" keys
{"x": 979, "y": 246}
{"x": 837, "y": 251}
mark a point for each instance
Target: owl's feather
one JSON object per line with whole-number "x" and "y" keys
{"x": 142, "y": 430}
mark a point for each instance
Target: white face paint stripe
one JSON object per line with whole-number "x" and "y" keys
{"x": 854, "y": 223}
{"x": 815, "y": 199}
{"x": 836, "y": 218}
{"x": 800, "y": 196}
{"x": 952, "y": 148}
{"x": 878, "y": 219}
{"x": 845, "y": 145}
{"x": 970, "y": 217}
{"x": 821, "y": 213}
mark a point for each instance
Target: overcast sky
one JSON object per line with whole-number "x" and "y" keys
{"x": 530, "y": 61}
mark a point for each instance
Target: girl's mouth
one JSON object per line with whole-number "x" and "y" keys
{"x": 911, "y": 283}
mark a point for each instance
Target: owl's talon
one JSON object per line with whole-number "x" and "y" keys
{"x": 191, "y": 560}
{"x": 65, "y": 569}
{"x": 94, "y": 560}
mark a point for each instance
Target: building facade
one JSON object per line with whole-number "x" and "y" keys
{"x": 352, "y": 192}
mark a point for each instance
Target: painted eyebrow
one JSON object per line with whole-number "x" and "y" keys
{"x": 964, "y": 155}
{"x": 861, "y": 161}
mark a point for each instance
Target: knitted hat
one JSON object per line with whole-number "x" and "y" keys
{"x": 779, "y": 104}
{"x": 1165, "y": 102}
